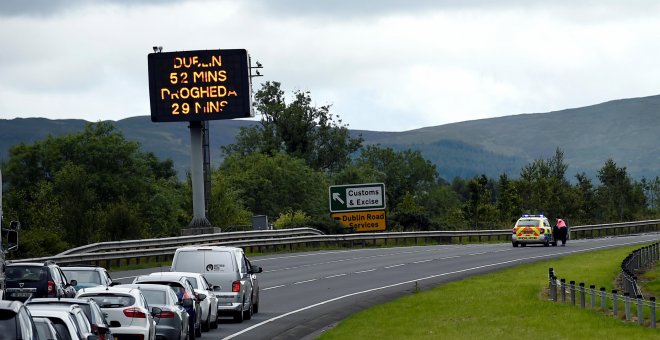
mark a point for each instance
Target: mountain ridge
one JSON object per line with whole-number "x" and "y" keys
{"x": 625, "y": 130}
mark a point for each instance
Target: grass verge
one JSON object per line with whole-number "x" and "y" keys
{"x": 508, "y": 304}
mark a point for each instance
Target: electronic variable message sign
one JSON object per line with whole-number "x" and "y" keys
{"x": 199, "y": 85}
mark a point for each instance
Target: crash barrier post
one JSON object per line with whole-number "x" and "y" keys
{"x": 592, "y": 293}
{"x": 640, "y": 312}
{"x": 572, "y": 290}
{"x": 652, "y": 311}
{"x": 648, "y": 306}
{"x": 626, "y": 302}
{"x": 552, "y": 285}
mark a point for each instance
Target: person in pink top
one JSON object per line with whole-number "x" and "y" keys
{"x": 562, "y": 231}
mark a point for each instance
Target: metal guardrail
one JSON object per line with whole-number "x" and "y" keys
{"x": 107, "y": 252}
{"x": 641, "y": 258}
{"x": 189, "y": 240}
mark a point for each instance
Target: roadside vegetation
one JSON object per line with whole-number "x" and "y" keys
{"x": 95, "y": 186}
{"x": 509, "y": 304}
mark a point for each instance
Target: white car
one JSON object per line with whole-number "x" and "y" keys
{"x": 126, "y": 310}
{"x": 210, "y": 304}
{"x": 70, "y": 321}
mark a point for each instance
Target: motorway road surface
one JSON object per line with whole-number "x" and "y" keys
{"x": 304, "y": 293}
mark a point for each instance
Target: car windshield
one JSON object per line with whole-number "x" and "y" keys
{"x": 193, "y": 281}
{"x": 83, "y": 276}
{"x": 154, "y": 297}
{"x": 111, "y": 300}
{"x": 25, "y": 273}
{"x": 528, "y": 223}
{"x": 7, "y": 324}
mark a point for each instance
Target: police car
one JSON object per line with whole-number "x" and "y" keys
{"x": 532, "y": 229}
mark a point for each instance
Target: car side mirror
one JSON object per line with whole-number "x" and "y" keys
{"x": 73, "y": 282}
{"x": 217, "y": 288}
{"x": 155, "y": 312}
{"x": 201, "y": 297}
{"x": 256, "y": 269}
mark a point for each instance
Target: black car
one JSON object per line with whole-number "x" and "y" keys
{"x": 16, "y": 321}
{"x": 37, "y": 280}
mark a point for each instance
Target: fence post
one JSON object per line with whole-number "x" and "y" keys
{"x": 603, "y": 297}
{"x": 552, "y": 285}
{"x": 572, "y": 288}
{"x": 582, "y": 303}
{"x": 640, "y": 313}
{"x": 592, "y": 292}
{"x": 652, "y": 298}
{"x": 615, "y": 303}
{"x": 626, "y": 301}
{"x": 563, "y": 290}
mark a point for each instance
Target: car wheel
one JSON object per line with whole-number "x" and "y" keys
{"x": 247, "y": 315}
{"x": 214, "y": 324}
{"x": 238, "y": 316}
{"x": 198, "y": 329}
{"x": 515, "y": 245}
{"x": 547, "y": 244}
{"x": 206, "y": 325}
{"x": 554, "y": 243}
{"x": 522, "y": 244}
{"x": 255, "y": 308}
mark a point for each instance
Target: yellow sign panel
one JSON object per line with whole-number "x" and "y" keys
{"x": 361, "y": 221}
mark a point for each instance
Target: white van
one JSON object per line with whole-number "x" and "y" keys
{"x": 228, "y": 268}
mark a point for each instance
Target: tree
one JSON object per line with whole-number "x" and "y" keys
{"x": 401, "y": 171}
{"x": 270, "y": 185}
{"x": 618, "y": 197}
{"x": 543, "y": 186}
{"x": 298, "y": 129}
{"x": 95, "y": 181}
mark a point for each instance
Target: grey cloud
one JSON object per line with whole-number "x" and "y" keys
{"x": 46, "y": 8}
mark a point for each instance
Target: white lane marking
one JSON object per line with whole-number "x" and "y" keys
{"x": 299, "y": 282}
{"x": 231, "y": 336}
{"x": 422, "y": 261}
{"x": 273, "y": 287}
{"x": 394, "y": 266}
{"x": 364, "y": 271}
{"x": 338, "y": 275}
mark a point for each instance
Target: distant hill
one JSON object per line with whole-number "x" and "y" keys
{"x": 627, "y": 130}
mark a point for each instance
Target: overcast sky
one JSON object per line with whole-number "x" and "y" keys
{"x": 383, "y": 65}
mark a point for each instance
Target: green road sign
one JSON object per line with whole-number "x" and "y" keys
{"x": 356, "y": 197}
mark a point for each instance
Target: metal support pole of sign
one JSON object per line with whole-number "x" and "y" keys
{"x": 626, "y": 301}
{"x": 563, "y": 290}
{"x": 197, "y": 176}
{"x": 640, "y": 312}
{"x": 615, "y": 303}
{"x": 603, "y": 299}
{"x": 582, "y": 299}
{"x": 572, "y": 288}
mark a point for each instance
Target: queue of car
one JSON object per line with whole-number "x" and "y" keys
{"x": 46, "y": 301}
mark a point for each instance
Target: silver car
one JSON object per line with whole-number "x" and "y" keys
{"x": 209, "y": 306}
{"x": 173, "y": 318}
{"x": 228, "y": 268}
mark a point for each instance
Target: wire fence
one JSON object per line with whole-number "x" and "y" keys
{"x": 630, "y": 305}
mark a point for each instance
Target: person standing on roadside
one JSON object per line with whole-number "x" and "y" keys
{"x": 561, "y": 230}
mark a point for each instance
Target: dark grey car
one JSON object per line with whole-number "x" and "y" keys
{"x": 173, "y": 318}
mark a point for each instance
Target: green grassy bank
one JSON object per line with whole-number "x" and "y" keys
{"x": 509, "y": 304}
